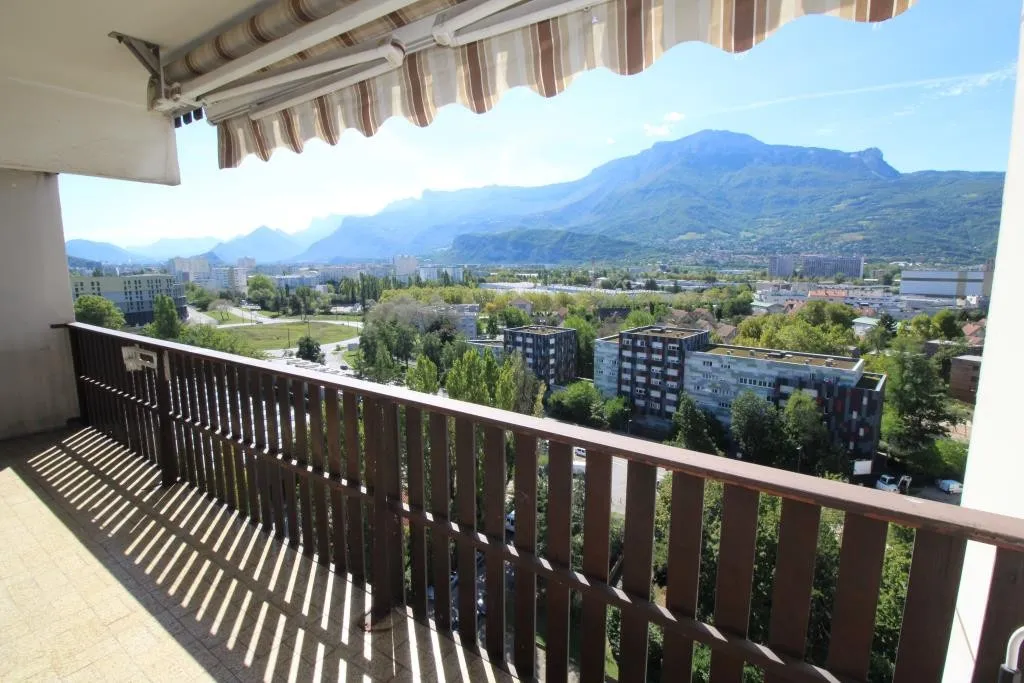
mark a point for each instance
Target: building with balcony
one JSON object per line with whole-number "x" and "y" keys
{"x": 606, "y": 365}
{"x": 781, "y": 266}
{"x": 964, "y": 373}
{"x": 955, "y": 284}
{"x": 850, "y": 398}
{"x": 228, "y": 279}
{"x": 550, "y": 352}
{"x": 495, "y": 346}
{"x": 405, "y": 266}
{"x": 184, "y": 525}
{"x": 193, "y": 269}
{"x": 829, "y": 266}
{"x": 465, "y": 316}
{"x": 652, "y": 366}
{"x": 435, "y": 273}
{"x": 133, "y": 294}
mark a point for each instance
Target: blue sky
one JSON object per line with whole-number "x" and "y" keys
{"x": 933, "y": 89}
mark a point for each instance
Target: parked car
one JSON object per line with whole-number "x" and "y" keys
{"x": 949, "y": 485}
{"x": 889, "y": 482}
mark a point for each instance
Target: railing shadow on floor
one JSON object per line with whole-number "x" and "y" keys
{"x": 233, "y": 596}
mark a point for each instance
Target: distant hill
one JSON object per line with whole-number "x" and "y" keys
{"x": 103, "y": 252}
{"x": 168, "y": 248}
{"x": 263, "y": 244}
{"x": 713, "y": 190}
{"x": 75, "y": 262}
{"x": 536, "y": 246}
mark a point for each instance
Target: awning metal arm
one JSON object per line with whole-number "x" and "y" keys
{"x": 146, "y": 52}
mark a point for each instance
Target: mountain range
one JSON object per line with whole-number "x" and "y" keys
{"x": 710, "y": 192}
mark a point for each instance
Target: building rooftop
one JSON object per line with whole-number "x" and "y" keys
{"x": 487, "y": 342}
{"x": 611, "y": 339}
{"x": 795, "y": 357}
{"x": 970, "y": 358}
{"x": 870, "y": 380}
{"x": 665, "y": 331}
{"x": 865, "y": 320}
{"x": 540, "y": 329}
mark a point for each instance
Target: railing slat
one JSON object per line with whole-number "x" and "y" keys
{"x": 263, "y": 413}
{"x": 559, "y": 553}
{"x": 683, "y": 575}
{"x": 288, "y": 500}
{"x": 856, "y": 601}
{"x": 596, "y": 541}
{"x": 1003, "y": 615}
{"x": 237, "y": 494}
{"x": 641, "y": 482}
{"x": 494, "y": 527}
{"x": 301, "y": 455}
{"x": 195, "y": 421}
{"x": 246, "y": 379}
{"x": 440, "y": 504}
{"x": 928, "y": 612}
{"x": 206, "y": 409}
{"x": 417, "y": 535}
{"x": 390, "y": 480}
{"x": 734, "y": 580}
{"x": 376, "y": 471}
{"x": 316, "y": 432}
{"x": 794, "y": 578}
{"x": 333, "y": 418}
{"x": 356, "y": 548}
{"x": 525, "y": 633}
{"x": 227, "y": 437}
{"x": 274, "y": 479}
{"x": 218, "y": 480}
{"x": 188, "y": 433}
{"x": 465, "y": 504}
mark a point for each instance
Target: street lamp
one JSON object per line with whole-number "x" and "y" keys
{"x": 799, "y": 457}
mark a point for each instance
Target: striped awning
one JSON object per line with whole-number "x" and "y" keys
{"x": 405, "y": 59}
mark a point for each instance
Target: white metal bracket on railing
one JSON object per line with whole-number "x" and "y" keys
{"x": 137, "y": 358}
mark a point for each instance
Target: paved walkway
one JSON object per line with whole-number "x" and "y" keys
{"x": 104, "y": 575}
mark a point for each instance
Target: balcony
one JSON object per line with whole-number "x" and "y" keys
{"x": 247, "y": 519}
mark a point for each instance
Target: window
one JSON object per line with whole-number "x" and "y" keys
{"x": 655, "y": 406}
{"x": 707, "y": 363}
{"x": 640, "y": 391}
{"x": 672, "y": 385}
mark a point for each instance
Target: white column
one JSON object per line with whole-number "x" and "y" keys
{"x": 995, "y": 464}
{"x": 37, "y": 384}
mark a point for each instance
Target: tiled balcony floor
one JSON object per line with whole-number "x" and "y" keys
{"x": 106, "y": 576}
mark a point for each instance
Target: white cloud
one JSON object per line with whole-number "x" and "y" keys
{"x": 610, "y": 141}
{"x": 653, "y": 131}
{"x": 674, "y": 116}
{"x": 977, "y": 81}
{"x": 824, "y": 131}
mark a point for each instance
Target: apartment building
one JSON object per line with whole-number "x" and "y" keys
{"x": 781, "y": 265}
{"x": 606, "y": 365}
{"x": 550, "y": 352}
{"x": 964, "y": 372}
{"x": 851, "y": 399}
{"x": 433, "y": 273}
{"x": 465, "y": 316}
{"x": 947, "y": 283}
{"x": 228, "y": 279}
{"x": 405, "y": 266}
{"x": 133, "y": 294}
{"x": 651, "y": 366}
{"x": 830, "y": 266}
{"x": 194, "y": 269}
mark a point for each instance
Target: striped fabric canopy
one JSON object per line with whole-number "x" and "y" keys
{"x": 625, "y": 36}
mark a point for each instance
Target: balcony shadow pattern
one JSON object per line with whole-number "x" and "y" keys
{"x": 109, "y": 576}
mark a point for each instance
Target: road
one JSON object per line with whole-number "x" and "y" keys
{"x": 196, "y": 317}
{"x": 258, "y": 318}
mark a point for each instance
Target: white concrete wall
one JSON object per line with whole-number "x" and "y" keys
{"x": 995, "y": 466}
{"x": 37, "y": 384}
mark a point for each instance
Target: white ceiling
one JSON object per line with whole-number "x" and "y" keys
{"x": 74, "y": 100}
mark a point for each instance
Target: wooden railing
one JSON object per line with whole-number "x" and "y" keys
{"x": 379, "y": 482}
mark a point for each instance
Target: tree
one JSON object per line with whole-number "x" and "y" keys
{"x": 513, "y": 317}
{"x": 198, "y": 297}
{"x": 423, "y": 376}
{"x": 758, "y": 430}
{"x": 580, "y": 402}
{"x": 166, "y": 324}
{"x": 616, "y": 412}
{"x": 466, "y": 380}
{"x": 888, "y": 322}
{"x": 806, "y": 429}
{"x": 878, "y": 337}
{"x": 261, "y": 290}
{"x": 492, "y": 326}
{"x": 516, "y": 386}
{"x": 309, "y": 349}
{"x": 95, "y": 310}
{"x": 220, "y": 307}
{"x": 586, "y": 333}
{"x": 946, "y": 324}
{"x": 916, "y": 411}
{"x": 638, "y": 317}
{"x": 690, "y": 425}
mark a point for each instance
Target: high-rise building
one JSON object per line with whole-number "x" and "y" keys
{"x": 550, "y": 352}
{"x": 781, "y": 265}
{"x": 246, "y": 262}
{"x": 850, "y": 399}
{"x": 432, "y": 273}
{"x": 947, "y": 283}
{"x": 830, "y": 266}
{"x": 654, "y": 364}
{"x": 405, "y": 266}
{"x": 228, "y": 279}
{"x": 651, "y": 366}
{"x": 133, "y": 294}
{"x": 194, "y": 269}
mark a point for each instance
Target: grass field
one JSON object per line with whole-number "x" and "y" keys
{"x": 286, "y": 335}
{"x": 227, "y": 318}
{"x": 341, "y": 316}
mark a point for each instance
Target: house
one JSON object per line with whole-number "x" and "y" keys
{"x": 766, "y": 308}
{"x": 863, "y": 325}
{"x": 523, "y": 305}
{"x": 964, "y": 373}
